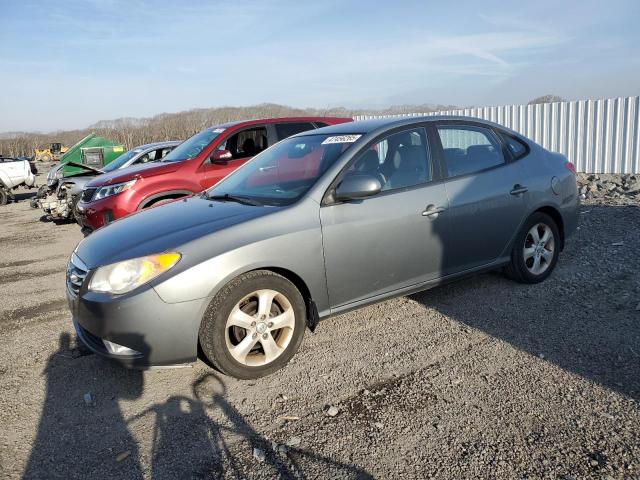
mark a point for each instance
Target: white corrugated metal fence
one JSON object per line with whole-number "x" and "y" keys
{"x": 598, "y": 136}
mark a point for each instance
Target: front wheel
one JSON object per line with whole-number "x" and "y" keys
{"x": 254, "y": 325}
{"x": 4, "y": 197}
{"x": 535, "y": 251}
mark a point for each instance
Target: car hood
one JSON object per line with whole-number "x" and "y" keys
{"x": 163, "y": 228}
{"x": 129, "y": 173}
{"x": 75, "y": 184}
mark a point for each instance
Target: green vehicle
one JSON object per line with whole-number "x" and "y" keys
{"x": 90, "y": 153}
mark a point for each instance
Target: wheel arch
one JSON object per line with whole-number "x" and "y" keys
{"x": 300, "y": 284}
{"x": 167, "y": 194}
{"x": 555, "y": 214}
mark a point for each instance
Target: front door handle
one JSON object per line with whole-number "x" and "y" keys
{"x": 518, "y": 189}
{"x": 432, "y": 211}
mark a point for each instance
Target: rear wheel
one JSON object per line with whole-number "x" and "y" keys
{"x": 535, "y": 251}
{"x": 254, "y": 325}
{"x": 4, "y": 197}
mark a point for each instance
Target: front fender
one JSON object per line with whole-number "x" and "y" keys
{"x": 30, "y": 181}
{"x": 270, "y": 242}
{"x": 5, "y": 180}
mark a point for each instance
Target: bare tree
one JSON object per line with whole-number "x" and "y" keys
{"x": 132, "y": 132}
{"x": 546, "y": 99}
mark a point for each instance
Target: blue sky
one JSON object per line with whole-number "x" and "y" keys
{"x": 67, "y": 64}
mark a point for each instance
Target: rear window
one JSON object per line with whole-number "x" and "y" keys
{"x": 469, "y": 149}
{"x": 516, "y": 147}
{"x": 285, "y": 130}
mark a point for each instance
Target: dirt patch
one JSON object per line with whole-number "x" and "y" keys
{"x": 482, "y": 378}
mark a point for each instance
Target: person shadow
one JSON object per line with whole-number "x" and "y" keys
{"x": 189, "y": 443}
{"x": 82, "y": 432}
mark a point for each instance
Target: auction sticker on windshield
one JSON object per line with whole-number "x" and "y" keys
{"x": 341, "y": 139}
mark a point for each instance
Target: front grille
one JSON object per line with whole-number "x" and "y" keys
{"x": 87, "y": 194}
{"x": 76, "y": 273}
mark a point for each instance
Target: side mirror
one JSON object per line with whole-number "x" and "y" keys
{"x": 356, "y": 186}
{"x": 221, "y": 157}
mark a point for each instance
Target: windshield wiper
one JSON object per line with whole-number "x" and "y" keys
{"x": 227, "y": 197}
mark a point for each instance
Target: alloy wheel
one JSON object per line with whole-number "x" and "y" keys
{"x": 260, "y": 327}
{"x": 539, "y": 248}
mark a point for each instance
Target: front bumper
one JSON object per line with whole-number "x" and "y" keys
{"x": 88, "y": 216}
{"x": 155, "y": 333}
{"x": 57, "y": 208}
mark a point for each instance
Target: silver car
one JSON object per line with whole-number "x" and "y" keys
{"x": 318, "y": 224}
{"x": 151, "y": 152}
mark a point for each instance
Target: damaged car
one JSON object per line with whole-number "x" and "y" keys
{"x": 13, "y": 174}
{"x": 65, "y": 192}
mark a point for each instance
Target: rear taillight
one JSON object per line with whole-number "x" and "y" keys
{"x": 571, "y": 167}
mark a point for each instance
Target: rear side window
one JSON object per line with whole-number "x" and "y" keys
{"x": 285, "y": 130}
{"x": 516, "y": 147}
{"x": 469, "y": 149}
{"x": 163, "y": 152}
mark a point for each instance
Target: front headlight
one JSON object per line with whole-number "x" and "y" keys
{"x": 122, "y": 277}
{"x": 114, "y": 189}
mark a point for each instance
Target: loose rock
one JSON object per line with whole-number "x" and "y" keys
{"x": 259, "y": 454}
{"x": 293, "y": 442}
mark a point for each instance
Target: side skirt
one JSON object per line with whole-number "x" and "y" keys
{"x": 500, "y": 262}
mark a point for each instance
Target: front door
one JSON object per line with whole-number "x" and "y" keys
{"x": 243, "y": 145}
{"x": 394, "y": 239}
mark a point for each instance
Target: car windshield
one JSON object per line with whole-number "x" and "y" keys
{"x": 121, "y": 160}
{"x": 192, "y": 146}
{"x": 285, "y": 172}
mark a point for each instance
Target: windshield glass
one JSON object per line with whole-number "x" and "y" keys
{"x": 120, "y": 161}
{"x": 285, "y": 172}
{"x": 193, "y": 146}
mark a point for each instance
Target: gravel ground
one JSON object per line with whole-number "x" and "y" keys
{"x": 481, "y": 378}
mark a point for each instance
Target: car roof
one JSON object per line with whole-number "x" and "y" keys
{"x": 374, "y": 124}
{"x": 246, "y": 123}
{"x": 167, "y": 143}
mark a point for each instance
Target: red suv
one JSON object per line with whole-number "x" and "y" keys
{"x": 196, "y": 164}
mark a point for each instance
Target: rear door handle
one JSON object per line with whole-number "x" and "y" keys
{"x": 518, "y": 189}
{"x": 432, "y": 211}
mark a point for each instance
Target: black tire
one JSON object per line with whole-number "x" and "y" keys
{"x": 4, "y": 198}
{"x": 517, "y": 269}
{"x": 213, "y": 328}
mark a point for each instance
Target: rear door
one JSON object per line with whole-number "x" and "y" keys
{"x": 394, "y": 239}
{"x": 486, "y": 192}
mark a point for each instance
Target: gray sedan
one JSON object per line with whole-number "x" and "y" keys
{"x": 318, "y": 224}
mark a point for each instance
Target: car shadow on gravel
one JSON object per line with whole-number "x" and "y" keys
{"x": 189, "y": 443}
{"x": 81, "y": 428}
{"x": 83, "y": 432}
{"x": 19, "y": 197}
{"x": 584, "y": 318}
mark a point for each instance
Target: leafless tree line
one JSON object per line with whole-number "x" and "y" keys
{"x": 179, "y": 126}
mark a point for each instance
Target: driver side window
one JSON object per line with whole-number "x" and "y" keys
{"x": 246, "y": 143}
{"x": 398, "y": 161}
